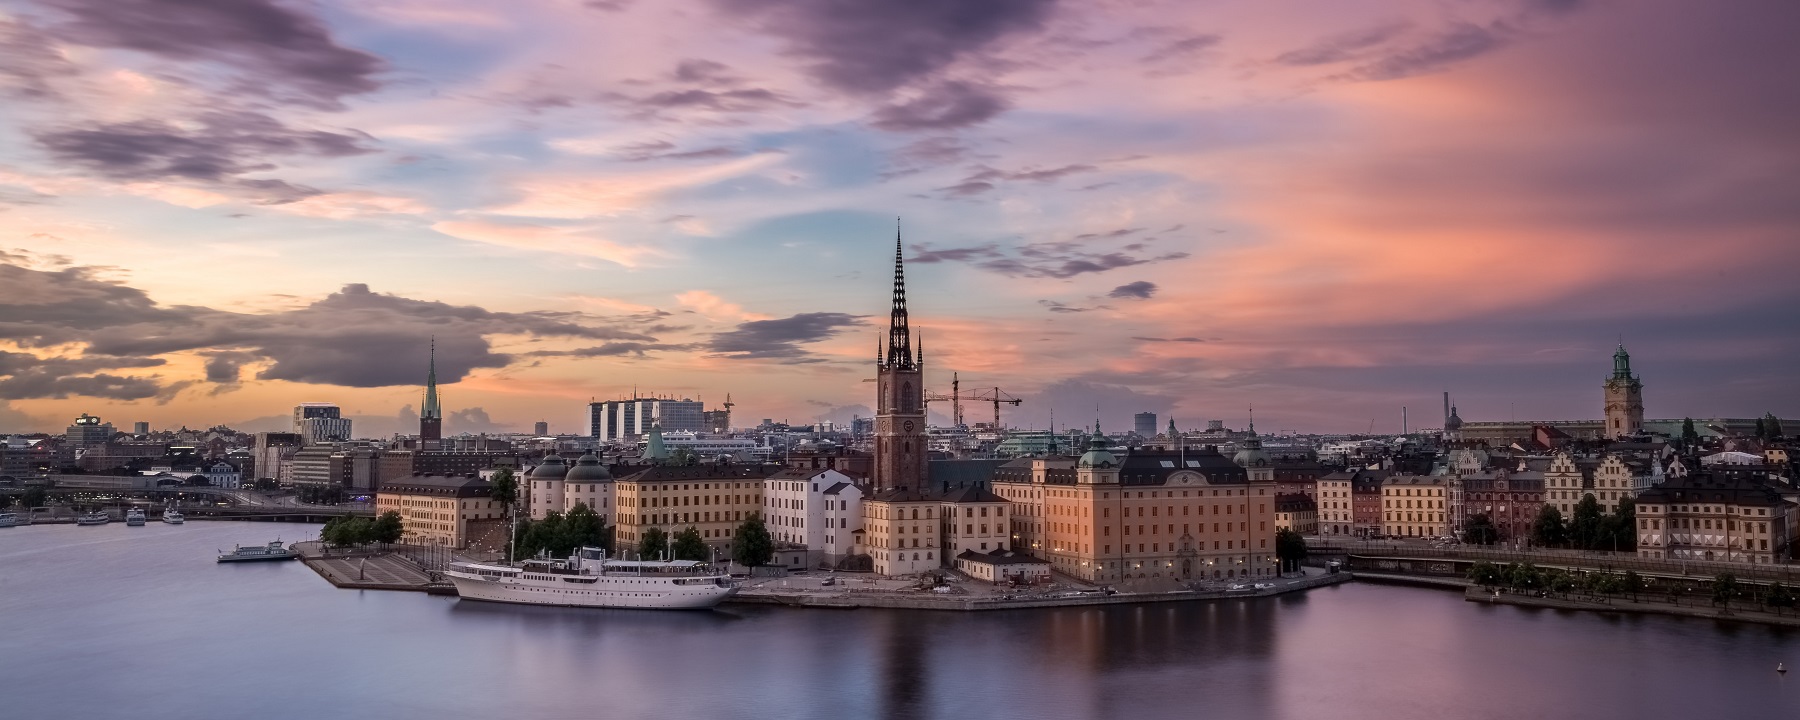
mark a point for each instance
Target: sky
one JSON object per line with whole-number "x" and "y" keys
{"x": 211, "y": 210}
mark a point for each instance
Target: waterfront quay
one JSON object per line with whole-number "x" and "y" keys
{"x": 874, "y": 592}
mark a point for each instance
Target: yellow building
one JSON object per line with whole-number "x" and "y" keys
{"x": 1298, "y": 513}
{"x": 901, "y": 532}
{"x": 446, "y": 511}
{"x": 712, "y": 498}
{"x": 1414, "y": 506}
{"x": 1718, "y": 516}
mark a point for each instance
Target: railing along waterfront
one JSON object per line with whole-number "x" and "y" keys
{"x": 1785, "y": 572}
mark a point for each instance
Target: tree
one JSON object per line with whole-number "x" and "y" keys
{"x": 751, "y": 545}
{"x": 542, "y": 537}
{"x": 1548, "y": 529}
{"x": 1486, "y": 574}
{"x": 1772, "y": 424}
{"x": 34, "y": 497}
{"x": 1526, "y": 577}
{"x": 389, "y": 528}
{"x": 585, "y": 528}
{"x": 1779, "y": 597}
{"x": 345, "y": 531}
{"x": 688, "y": 545}
{"x": 1624, "y": 526}
{"x": 1689, "y": 436}
{"x": 1480, "y": 530}
{"x": 1725, "y": 588}
{"x": 1559, "y": 581}
{"x": 653, "y": 544}
{"x": 1290, "y": 548}
{"x": 1632, "y": 584}
{"x": 505, "y": 490}
{"x": 1584, "y": 530}
{"x": 6, "y": 501}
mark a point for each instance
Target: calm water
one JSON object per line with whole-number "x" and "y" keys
{"x": 141, "y": 623}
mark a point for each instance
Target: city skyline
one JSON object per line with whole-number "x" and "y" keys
{"x": 1329, "y": 215}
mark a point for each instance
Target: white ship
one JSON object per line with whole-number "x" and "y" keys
{"x": 8, "y": 520}
{"x": 134, "y": 517}
{"x": 588, "y": 579}
{"x": 94, "y": 518}
{"x": 173, "y": 516}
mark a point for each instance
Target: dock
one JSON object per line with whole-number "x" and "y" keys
{"x": 926, "y": 600}
{"x": 360, "y": 570}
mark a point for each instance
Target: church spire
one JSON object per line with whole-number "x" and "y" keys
{"x": 899, "y": 350}
{"x": 430, "y": 408}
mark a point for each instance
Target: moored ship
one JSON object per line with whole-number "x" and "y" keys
{"x": 588, "y": 579}
{"x": 172, "y": 516}
{"x": 94, "y": 518}
{"x": 271, "y": 551}
{"x": 134, "y": 517}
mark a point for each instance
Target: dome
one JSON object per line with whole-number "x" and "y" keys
{"x": 1097, "y": 455}
{"x": 588, "y": 469}
{"x": 1454, "y": 422}
{"x": 552, "y": 468}
{"x": 1252, "y": 452}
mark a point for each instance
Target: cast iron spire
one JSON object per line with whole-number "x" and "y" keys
{"x": 899, "y": 350}
{"x": 429, "y": 409}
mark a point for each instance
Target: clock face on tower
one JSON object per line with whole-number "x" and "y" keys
{"x": 909, "y": 426}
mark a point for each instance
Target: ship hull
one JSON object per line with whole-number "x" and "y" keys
{"x": 254, "y": 558}
{"x": 607, "y": 592}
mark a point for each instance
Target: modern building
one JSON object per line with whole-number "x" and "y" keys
{"x": 631, "y": 418}
{"x": 140, "y": 428}
{"x": 541, "y": 429}
{"x": 1144, "y": 424}
{"x": 320, "y": 423}
{"x": 445, "y": 511}
{"x": 273, "y": 453}
{"x": 1717, "y": 516}
{"x": 311, "y": 465}
{"x": 87, "y": 431}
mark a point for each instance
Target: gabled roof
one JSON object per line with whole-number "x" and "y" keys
{"x": 972, "y": 495}
{"x": 1000, "y": 557}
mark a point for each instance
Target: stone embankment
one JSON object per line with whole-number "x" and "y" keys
{"x": 1645, "y": 606}
{"x": 924, "y": 600}
{"x": 369, "y": 570}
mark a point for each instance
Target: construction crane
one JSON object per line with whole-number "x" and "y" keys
{"x": 994, "y": 395}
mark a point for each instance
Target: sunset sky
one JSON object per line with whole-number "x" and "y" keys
{"x": 211, "y": 210}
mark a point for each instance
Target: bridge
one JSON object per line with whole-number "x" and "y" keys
{"x": 203, "y": 502}
{"x": 1455, "y": 561}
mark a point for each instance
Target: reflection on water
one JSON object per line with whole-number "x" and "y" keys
{"x": 140, "y": 622}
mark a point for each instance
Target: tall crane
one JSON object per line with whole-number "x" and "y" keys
{"x": 994, "y": 395}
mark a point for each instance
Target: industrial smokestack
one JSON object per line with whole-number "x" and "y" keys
{"x": 1402, "y": 419}
{"x": 1446, "y": 408}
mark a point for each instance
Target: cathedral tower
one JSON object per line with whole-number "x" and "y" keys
{"x": 900, "y": 447}
{"x": 1624, "y": 398}
{"x": 431, "y": 416}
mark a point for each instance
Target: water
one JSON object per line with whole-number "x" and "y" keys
{"x": 117, "y": 622}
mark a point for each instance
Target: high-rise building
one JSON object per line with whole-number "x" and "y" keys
{"x": 630, "y": 419}
{"x": 87, "y": 431}
{"x": 1144, "y": 424}
{"x": 541, "y": 429}
{"x": 320, "y": 422}
{"x": 140, "y": 428}
{"x": 272, "y": 455}
{"x": 900, "y": 447}
{"x": 431, "y": 414}
{"x": 1624, "y": 398}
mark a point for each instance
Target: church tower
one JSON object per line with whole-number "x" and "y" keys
{"x": 1624, "y": 398}
{"x": 900, "y": 447}
{"x": 431, "y": 416}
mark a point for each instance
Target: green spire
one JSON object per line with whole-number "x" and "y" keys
{"x": 1621, "y": 364}
{"x": 653, "y": 448}
{"x": 430, "y": 409}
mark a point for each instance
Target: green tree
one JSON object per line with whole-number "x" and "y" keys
{"x": 1632, "y": 584}
{"x": 505, "y": 490}
{"x": 1480, "y": 530}
{"x": 1762, "y": 431}
{"x": 34, "y": 497}
{"x": 1486, "y": 574}
{"x": 1690, "y": 437}
{"x": 1290, "y": 549}
{"x": 1584, "y": 529}
{"x": 653, "y": 544}
{"x": 389, "y": 528}
{"x": 751, "y": 545}
{"x": 1548, "y": 529}
{"x": 348, "y": 531}
{"x": 1625, "y": 526}
{"x": 585, "y": 528}
{"x": 1559, "y": 581}
{"x": 542, "y": 537}
{"x": 1725, "y": 587}
{"x": 1526, "y": 577}
{"x": 1779, "y": 597}
{"x": 1772, "y": 424}
{"x": 688, "y": 545}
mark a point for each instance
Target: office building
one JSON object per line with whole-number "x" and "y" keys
{"x": 320, "y": 423}
{"x": 631, "y": 418}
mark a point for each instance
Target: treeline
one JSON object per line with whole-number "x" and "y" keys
{"x": 557, "y": 535}
{"x": 385, "y": 529}
{"x": 1589, "y": 529}
{"x": 1724, "y": 587}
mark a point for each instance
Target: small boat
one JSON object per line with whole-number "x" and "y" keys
{"x": 1781, "y": 668}
{"x": 272, "y": 551}
{"x": 8, "y": 520}
{"x": 93, "y": 518}
{"x": 172, "y": 516}
{"x": 134, "y": 517}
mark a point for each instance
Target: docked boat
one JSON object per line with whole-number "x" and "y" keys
{"x": 8, "y": 520}
{"x": 134, "y": 517}
{"x": 272, "y": 551}
{"x": 588, "y": 579}
{"x": 172, "y": 516}
{"x": 93, "y": 518}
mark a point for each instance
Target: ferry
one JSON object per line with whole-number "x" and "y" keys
{"x": 93, "y": 518}
{"x": 588, "y": 579}
{"x": 271, "y": 551}
{"x": 172, "y": 516}
{"x": 134, "y": 517}
{"x": 8, "y": 520}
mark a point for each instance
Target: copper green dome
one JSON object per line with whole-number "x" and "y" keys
{"x": 588, "y": 468}
{"x": 551, "y": 468}
{"x": 1097, "y": 455}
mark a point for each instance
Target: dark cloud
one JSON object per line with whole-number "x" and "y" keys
{"x": 942, "y": 106}
{"x": 1459, "y": 43}
{"x": 28, "y": 62}
{"x": 1181, "y": 49}
{"x": 1121, "y": 232}
{"x": 665, "y": 150}
{"x": 1059, "y": 260}
{"x": 878, "y": 46}
{"x": 726, "y": 101}
{"x": 984, "y": 178}
{"x": 224, "y": 146}
{"x": 1141, "y": 290}
{"x": 1345, "y": 46}
{"x": 614, "y": 349}
{"x": 354, "y": 337}
{"x": 280, "y": 51}
{"x": 923, "y": 255}
{"x": 781, "y": 338}
{"x": 703, "y": 71}
{"x": 24, "y": 376}
{"x": 1057, "y": 307}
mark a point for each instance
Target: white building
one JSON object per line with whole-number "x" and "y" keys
{"x": 224, "y": 475}
{"x": 557, "y": 486}
{"x": 816, "y": 509}
{"x": 631, "y": 419}
{"x": 320, "y": 422}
